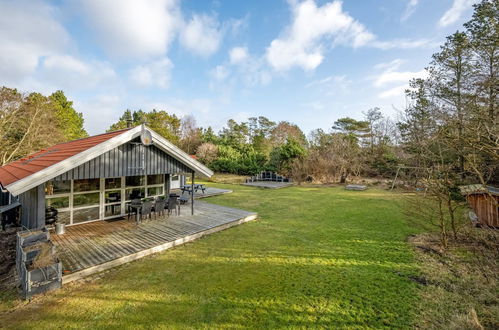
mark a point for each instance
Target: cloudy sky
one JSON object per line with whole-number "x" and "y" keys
{"x": 308, "y": 62}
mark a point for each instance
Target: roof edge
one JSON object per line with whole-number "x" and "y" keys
{"x": 178, "y": 153}
{"x": 35, "y": 179}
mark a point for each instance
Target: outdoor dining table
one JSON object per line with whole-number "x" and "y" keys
{"x": 137, "y": 207}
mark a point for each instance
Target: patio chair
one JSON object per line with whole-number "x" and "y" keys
{"x": 172, "y": 205}
{"x": 159, "y": 206}
{"x": 146, "y": 209}
{"x": 183, "y": 200}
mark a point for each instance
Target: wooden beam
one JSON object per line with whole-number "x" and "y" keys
{"x": 192, "y": 193}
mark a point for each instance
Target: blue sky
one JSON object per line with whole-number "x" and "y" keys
{"x": 308, "y": 62}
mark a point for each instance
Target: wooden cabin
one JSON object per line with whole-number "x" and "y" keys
{"x": 95, "y": 178}
{"x": 484, "y": 201}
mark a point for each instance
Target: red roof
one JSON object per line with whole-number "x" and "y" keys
{"x": 47, "y": 157}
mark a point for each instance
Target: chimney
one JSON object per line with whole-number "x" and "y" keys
{"x": 129, "y": 123}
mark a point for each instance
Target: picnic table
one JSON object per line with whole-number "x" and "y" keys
{"x": 188, "y": 188}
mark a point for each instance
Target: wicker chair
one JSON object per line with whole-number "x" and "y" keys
{"x": 172, "y": 205}
{"x": 146, "y": 209}
{"x": 159, "y": 206}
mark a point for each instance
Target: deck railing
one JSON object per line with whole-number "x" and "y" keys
{"x": 268, "y": 176}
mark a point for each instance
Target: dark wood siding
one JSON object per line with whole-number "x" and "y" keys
{"x": 33, "y": 208}
{"x": 486, "y": 208}
{"x": 127, "y": 160}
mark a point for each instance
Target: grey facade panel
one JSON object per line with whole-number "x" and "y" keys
{"x": 33, "y": 208}
{"x": 126, "y": 160}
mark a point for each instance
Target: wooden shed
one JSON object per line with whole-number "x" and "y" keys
{"x": 484, "y": 201}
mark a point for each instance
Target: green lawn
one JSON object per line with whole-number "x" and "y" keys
{"x": 316, "y": 257}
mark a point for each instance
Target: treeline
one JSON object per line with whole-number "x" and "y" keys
{"x": 30, "y": 122}
{"x": 352, "y": 147}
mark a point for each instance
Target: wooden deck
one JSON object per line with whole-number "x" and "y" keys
{"x": 93, "y": 247}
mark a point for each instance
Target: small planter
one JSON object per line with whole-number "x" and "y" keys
{"x": 38, "y": 267}
{"x": 60, "y": 228}
{"x": 40, "y": 280}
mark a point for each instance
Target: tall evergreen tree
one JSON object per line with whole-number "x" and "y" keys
{"x": 69, "y": 121}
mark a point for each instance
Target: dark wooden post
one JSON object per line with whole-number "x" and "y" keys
{"x": 167, "y": 185}
{"x": 192, "y": 193}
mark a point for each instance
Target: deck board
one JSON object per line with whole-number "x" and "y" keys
{"x": 87, "y": 246}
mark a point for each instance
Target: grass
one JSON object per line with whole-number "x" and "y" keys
{"x": 316, "y": 257}
{"x": 462, "y": 283}
{"x": 228, "y": 178}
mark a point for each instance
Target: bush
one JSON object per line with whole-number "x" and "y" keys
{"x": 245, "y": 162}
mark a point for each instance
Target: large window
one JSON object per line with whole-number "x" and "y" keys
{"x": 53, "y": 187}
{"x": 113, "y": 183}
{"x": 85, "y": 214}
{"x": 86, "y": 199}
{"x": 57, "y": 202}
{"x": 135, "y": 181}
{"x": 91, "y": 199}
{"x": 155, "y": 179}
{"x": 86, "y": 185}
{"x": 134, "y": 193}
{"x": 112, "y": 196}
{"x": 154, "y": 191}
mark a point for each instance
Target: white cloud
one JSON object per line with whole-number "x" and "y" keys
{"x": 404, "y": 44}
{"x": 393, "y": 92}
{"x": 455, "y": 11}
{"x": 202, "y": 35}
{"x": 302, "y": 43}
{"x": 65, "y": 71}
{"x": 220, "y": 73}
{"x": 410, "y": 8}
{"x": 99, "y": 111}
{"x": 332, "y": 85}
{"x": 28, "y": 31}
{"x": 238, "y": 55}
{"x": 133, "y": 28}
{"x": 329, "y": 81}
{"x": 153, "y": 74}
{"x": 391, "y": 76}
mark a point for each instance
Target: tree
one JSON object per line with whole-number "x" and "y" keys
{"x": 207, "y": 153}
{"x": 160, "y": 121}
{"x": 450, "y": 73}
{"x": 235, "y": 134}
{"x": 69, "y": 121}
{"x": 283, "y": 156}
{"x": 285, "y": 131}
{"x": 190, "y": 135}
{"x": 260, "y": 130}
{"x": 351, "y": 128}
{"x": 208, "y": 135}
{"x": 418, "y": 125}
{"x": 26, "y": 124}
{"x": 483, "y": 33}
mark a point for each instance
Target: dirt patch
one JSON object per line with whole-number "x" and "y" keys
{"x": 7, "y": 257}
